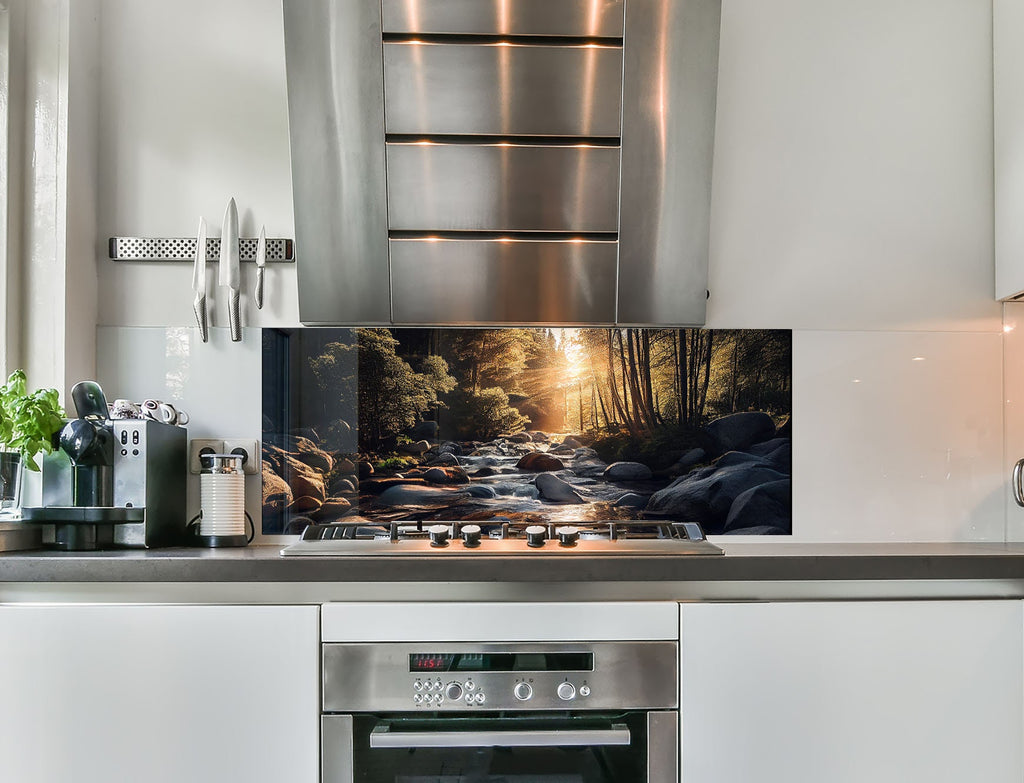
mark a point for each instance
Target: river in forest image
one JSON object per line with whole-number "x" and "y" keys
{"x": 538, "y": 424}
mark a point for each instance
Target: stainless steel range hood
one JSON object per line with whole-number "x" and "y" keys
{"x": 502, "y": 161}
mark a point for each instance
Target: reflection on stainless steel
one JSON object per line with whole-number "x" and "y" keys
{"x": 336, "y": 749}
{"x": 501, "y": 187}
{"x": 662, "y": 744}
{"x": 626, "y": 675}
{"x": 336, "y": 113}
{"x": 491, "y": 281}
{"x": 434, "y": 88}
{"x": 668, "y": 129}
{"x": 594, "y": 18}
{"x": 616, "y": 734}
{"x": 559, "y": 85}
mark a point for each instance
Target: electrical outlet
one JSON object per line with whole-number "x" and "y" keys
{"x": 198, "y": 446}
{"x": 249, "y": 449}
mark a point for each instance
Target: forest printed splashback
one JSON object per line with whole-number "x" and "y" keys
{"x": 538, "y": 424}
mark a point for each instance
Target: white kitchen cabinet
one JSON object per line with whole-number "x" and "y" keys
{"x": 849, "y": 692}
{"x": 161, "y": 694}
{"x": 1008, "y": 132}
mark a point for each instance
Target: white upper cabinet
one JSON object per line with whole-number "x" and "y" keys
{"x": 1008, "y": 93}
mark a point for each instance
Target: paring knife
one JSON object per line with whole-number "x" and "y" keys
{"x": 229, "y": 274}
{"x": 199, "y": 281}
{"x": 261, "y": 262}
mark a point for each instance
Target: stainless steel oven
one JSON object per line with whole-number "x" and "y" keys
{"x": 521, "y": 712}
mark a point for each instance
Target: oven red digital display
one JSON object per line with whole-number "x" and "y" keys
{"x": 430, "y": 662}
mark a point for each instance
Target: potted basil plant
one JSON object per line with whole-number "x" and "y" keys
{"x": 28, "y": 423}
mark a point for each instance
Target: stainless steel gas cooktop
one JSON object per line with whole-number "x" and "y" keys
{"x": 655, "y": 538}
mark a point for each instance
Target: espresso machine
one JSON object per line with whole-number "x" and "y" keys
{"x": 117, "y": 482}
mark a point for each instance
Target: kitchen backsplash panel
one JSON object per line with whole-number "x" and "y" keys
{"x": 538, "y": 424}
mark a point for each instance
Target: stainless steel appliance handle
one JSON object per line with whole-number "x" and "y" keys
{"x": 1018, "y": 487}
{"x": 383, "y": 737}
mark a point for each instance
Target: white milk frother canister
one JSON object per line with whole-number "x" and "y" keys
{"x": 222, "y": 498}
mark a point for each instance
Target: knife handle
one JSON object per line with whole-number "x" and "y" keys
{"x": 234, "y": 317}
{"x": 258, "y": 294}
{"x": 199, "y": 306}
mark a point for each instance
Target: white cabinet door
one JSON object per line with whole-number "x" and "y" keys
{"x": 886, "y": 692}
{"x": 161, "y": 694}
{"x": 1008, "y": 118}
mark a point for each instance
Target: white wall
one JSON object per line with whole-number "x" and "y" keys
{"x": 852, "y": 203}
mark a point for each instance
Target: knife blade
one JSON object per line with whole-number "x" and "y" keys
{"x": 229, "y": 272}
{"x": 261, "y": 262}
{"x": 199, "y": 282}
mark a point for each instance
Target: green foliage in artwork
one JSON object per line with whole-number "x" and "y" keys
{"x": 485, "y": 414}
{"x": 392, "y": 395}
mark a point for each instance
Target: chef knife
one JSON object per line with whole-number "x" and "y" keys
{"x": 261, "y": 262}
{"x": 199, "y": 281}
{"x": 229, "y": 274}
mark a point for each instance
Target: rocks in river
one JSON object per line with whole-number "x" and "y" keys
{"x": 381, "y": 484}
{"x": 332, "y": 509}
{"x": 445, "y": 459}
{"x": 365, "y": 470}
{"x": 590, "y": 468}
{"x": 302, "y": 449}
{"x": 483, "y": 472}
{"x": 627, "y": 471}
{"x": 690, "y": 459}
{"x": 425, "y": 430}
{"x": 538, "y": 437}
{"x": 707, "y": 494}
{"x": 537, "y": 462}
{"x": 526, "y": 491}
{"x": 344, "y": 465}
{"x": 631, "y": 500}
{"x": 571, "y": 443}
{"x": 342, "y": 486}
{"x": 518, "y": 437}
{"x": 736, "y": 432}
{"x": 450, "y": 447}
{"x": 446, "y": 476}
{"x": 416, "y": 447}
{"x": 481, "y": 491}
{"x": 418, "y": 495}
{"x": 766, "y": 505}
{"x": 777, "y": 452}
{"x": 555, "y": 489}
{"x": 277, "y": 495}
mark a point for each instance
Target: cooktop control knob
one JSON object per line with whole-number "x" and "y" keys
{"x": 471, "y": 535}
{"x": 566, "y": 691}
{"x": 438, "y": 535}
{"x": 453, "y": 692}
{"x": 567, "y": 535}
{"x": 522, "y": 691}
{"x": 535, "y": 535}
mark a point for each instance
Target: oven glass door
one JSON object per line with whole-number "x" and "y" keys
{"x": 606, "y": 748}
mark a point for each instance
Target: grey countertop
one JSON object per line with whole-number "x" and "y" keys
{"x": 743, "y": 562}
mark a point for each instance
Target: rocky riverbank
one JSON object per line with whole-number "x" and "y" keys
{"x": 736, "y": 482}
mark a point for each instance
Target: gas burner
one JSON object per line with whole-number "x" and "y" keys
{"x": 501, "y": 537}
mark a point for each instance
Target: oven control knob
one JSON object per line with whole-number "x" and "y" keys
{"x": 522, "y": 691}
{"x": 566, "y": 691}
{"x": 567, "y": 535}
{"x": 584, "y": 690}
{"x": 535, "y": 535}
{"x": 471, "y": 535}
{"x": 438, "y": 535}
{"x": 453, "y": 692}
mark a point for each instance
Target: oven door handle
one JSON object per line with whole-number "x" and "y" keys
{"x": 383, "y": 737}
